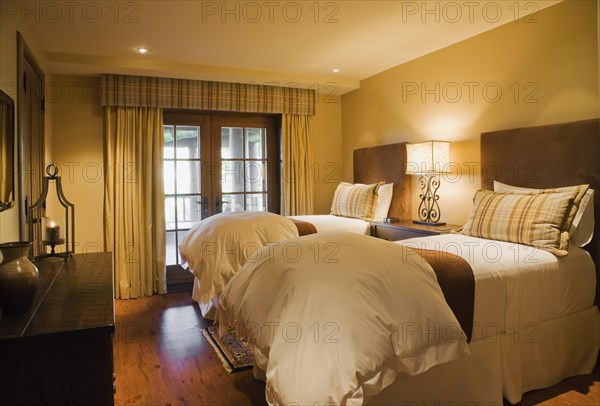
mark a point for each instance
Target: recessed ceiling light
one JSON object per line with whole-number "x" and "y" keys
{"x": 336, "y": 70}
{"x": 142, "y": 50}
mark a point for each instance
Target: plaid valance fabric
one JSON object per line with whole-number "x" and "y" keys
{"x": 140, "y": 91}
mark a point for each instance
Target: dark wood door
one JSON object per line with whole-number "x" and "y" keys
{"x": 30, "y": 136}
{"x": 245, "y": 153}
{"x": 215, "y": 163}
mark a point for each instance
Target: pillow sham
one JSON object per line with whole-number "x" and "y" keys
{"x": 540, "y": 219}
{"x": 582, "y": 229}
{"x": 384, "y": 200}
{"x": 355, "y": 200}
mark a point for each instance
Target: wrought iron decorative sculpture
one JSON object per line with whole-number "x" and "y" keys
{"x": 428, "y": 159}
{"x": 429, "y": 209}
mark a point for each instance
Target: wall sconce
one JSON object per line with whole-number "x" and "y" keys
{"x": 428, "y": 159}
{"x": 52, "y": 231}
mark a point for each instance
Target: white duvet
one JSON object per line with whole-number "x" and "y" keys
{"x": 334, "y": 317}
{"x": 217, "y": 247}
{"x": 518, "y": 285}
{"x": 328, "y": 222}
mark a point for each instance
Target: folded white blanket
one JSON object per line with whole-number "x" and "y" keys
{"x": 217, "y": 247}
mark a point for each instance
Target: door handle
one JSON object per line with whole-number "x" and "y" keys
{"x": 219, "y": 204}
{"x": 204, "y": 204}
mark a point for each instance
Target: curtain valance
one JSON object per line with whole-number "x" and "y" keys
{"x": 141, "y": 91}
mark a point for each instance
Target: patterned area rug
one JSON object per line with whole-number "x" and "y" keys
{"x": 235, "y": 353}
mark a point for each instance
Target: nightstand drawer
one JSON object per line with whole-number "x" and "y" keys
{"x": 396, "y": 233}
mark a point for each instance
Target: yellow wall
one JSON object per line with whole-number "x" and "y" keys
{"x": 327, "y": 141}
{"x": 9, "y": 219}
{"x": 547, "y": 72}
{"x": 77, "y": 148}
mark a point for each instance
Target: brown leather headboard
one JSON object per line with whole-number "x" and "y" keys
{"x": 386, "y": 163}
{"x": 547, "y": 156}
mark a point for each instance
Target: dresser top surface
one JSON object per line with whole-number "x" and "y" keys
{"x": 72, "y": 297}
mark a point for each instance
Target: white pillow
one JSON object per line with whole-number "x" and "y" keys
{"x": 384, "y": 200}
{"x": 582, "y": 229}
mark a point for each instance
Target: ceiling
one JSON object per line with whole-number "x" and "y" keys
{"x": 283, "y": 42}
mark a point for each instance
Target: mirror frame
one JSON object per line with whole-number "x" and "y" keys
{"x": 9, "y": 130}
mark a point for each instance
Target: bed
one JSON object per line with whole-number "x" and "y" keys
{"x": 217, "y": 247}
{"x": 535, "y": 319}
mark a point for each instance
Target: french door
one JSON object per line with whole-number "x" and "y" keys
{"x": 217, "y": 163}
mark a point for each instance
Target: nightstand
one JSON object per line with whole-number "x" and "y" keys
{"x": 404, "y": 229}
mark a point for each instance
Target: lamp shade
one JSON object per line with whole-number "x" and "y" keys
{"x": 427, "y": 157}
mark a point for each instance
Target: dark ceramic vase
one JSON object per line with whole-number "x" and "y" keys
{"x": 18, "y": 278}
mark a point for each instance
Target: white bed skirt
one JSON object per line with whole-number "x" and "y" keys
{"x": 502, "y": 366}
{"x": 506, "y": 366}
{"x": 209, "y": 310}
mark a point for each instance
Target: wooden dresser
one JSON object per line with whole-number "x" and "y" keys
{"x": 60, "y": 352}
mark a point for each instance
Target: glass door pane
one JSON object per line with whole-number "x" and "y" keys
{"x": 243, "y": 163}
{"x": 182, "y": 173}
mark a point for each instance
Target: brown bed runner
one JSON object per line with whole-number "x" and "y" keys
{"x": 304, "y": 227}
{"x": 456, "y": 279}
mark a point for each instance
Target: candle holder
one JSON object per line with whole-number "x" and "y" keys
{"x": 52, "y": 230}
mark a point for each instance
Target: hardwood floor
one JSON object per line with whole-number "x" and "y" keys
{"x": 162, "y": 358}
{"x": 576, "y": 391}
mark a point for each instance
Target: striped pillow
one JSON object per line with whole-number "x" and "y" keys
{"x": 541, "y": 219}
{"x": 356, "y": 201}
{"x": 580, "y": 236}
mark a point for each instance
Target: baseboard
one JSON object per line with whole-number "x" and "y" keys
{"x": 180, "y": 287}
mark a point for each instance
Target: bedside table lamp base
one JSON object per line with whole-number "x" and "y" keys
{"x": 429, "y": 209}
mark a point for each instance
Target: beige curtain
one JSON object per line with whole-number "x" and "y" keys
{"x": 134, "y": 219}
{"x": 297, "y": 183}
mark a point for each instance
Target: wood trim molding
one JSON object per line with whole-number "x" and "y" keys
{"x": 25, "y": 56}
